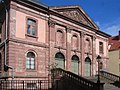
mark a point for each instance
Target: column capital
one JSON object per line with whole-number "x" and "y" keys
{"x": 51, "y": 23}
{"x": 69, "y": 29}
{"x": 83, "y": 34}
{"x": 94, "y": 38}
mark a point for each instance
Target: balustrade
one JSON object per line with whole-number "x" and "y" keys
{"x": 110, "y": 76}
{"x": 67, "y": 80}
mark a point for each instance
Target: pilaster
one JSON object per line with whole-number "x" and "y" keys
{"x": 51, "y": 28}
{"x": 94, "y": 55}
{"x": 82, "y": 52}
{"x": 68, "y": 51}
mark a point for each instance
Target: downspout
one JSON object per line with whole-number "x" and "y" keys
{"x": 6, "y": 38}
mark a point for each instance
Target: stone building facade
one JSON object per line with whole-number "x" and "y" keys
{"x": 40, "y": 37}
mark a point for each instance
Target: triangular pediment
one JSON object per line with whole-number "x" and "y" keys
{"x": 76, "y": 13}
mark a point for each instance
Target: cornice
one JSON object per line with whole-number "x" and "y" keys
{"x": 38, "y": 44}
{"x": 33, "y": 5}
{"x": 45, "y": 9}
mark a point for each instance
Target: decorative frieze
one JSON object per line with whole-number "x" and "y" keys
{"x": 76, "y": 15}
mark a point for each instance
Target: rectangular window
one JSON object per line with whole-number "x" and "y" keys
{"x": 101, "y": 47}
{"x": 31, "y": 27}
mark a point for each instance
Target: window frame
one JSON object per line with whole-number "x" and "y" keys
{"x": 101, "y": 48}
{"x": 30, "y": 61}
{"x": 36, "y": 27}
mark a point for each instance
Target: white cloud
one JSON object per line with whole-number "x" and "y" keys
{"x": 111, "y": 28}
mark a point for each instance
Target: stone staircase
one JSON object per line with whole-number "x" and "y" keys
{"x": 111, "y": 81}
{"x": 66, "y": 80}
{"x": 108, "y": 86}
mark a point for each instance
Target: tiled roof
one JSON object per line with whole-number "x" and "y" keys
{"x": 114, "y": 42}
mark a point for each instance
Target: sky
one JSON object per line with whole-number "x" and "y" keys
{"x": 105, "y": 13}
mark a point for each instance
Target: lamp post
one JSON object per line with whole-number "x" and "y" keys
{"x": 98, "y": 60}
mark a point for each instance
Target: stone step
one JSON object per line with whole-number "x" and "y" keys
{"x": 108, "y": 86}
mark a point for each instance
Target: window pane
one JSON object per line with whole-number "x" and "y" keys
{"x": 28, "y": 66}
{"x": 27, "y": 62}
{"x": 33, "y": 30}
{"x": 32, "y": 62}
{"x": 32, "y": 66}
{"x": 32, "y": 59}
{"x": 28, "y": 29}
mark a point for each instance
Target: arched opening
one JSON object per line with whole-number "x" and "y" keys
{"x": 75, "y": 64}
{"x": 30, "y": 60}
{"x": 87, "y": 68}
{"x": 60, "y": 60}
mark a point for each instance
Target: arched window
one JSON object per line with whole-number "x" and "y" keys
{"x": 59, "y": 37}
{"x": 60, "y": 60}
{"x": 87, "y": 45}
{"x": 30, "y": 60}
{"x": 87, "y": 66}
{"x": 74, "y": 42}
{"x": 75, "y": 64}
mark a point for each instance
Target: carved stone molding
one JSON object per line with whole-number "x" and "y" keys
{"x": 83, "y": 34}
{"x": 69, "y": 29}
{"x": 94, "y": 38}
{"x": 75, "y": 15}
{"x": 51, "y": 23}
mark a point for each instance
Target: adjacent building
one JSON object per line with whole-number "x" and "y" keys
{"x": 36, "y": 38}
{"x": 114, "y": 54}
